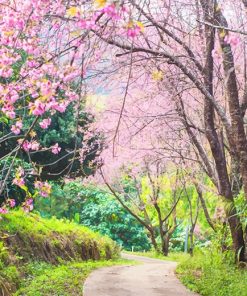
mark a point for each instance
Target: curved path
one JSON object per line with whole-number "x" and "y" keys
{"x": 151, "y": 278}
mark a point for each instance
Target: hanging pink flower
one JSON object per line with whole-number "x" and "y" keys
{"x": 11, "y": 203}
{"x": 43, "y": 187}
{"x": 37, "y": 108}
{"x": 45, "y": 123}
{"x": 28, "y": 205}
{"x": 34, "y": 145}
{"x": 3, "y": 211}
{"x": 19, "y": 181}
{"x": 8, "y": 109}
{"x": 16, "y": 128}
{"x": 55, "y": 149}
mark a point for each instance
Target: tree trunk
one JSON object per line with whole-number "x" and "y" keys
{"x": 153, "y": 241}
{"x": 238, "y": 142}
{"x": 237, "y": 234}
{"x": 165, "y": 245}
{"x": 191, "y": 240}
{"x": 204, "y": 207}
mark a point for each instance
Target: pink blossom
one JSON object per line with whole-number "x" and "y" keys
{"x": 6, "y": 73}
{"x": 61, "y": 107}
{"x": 9, "y": 110}
{"x": 11, "y": 203}
{"x": 87, "y": 24}
{"x": 44, "y": 188}
{"x": 56, "y": 106}
{"x": 28, "y": 205}
{"x": 27, "y": 146}
{"x": 19, "y": 181}
{"x": 16, "y": 129}
{"x": 37, "y": 108}
{"x": 34, "y": 145}
{"x": 45, "y": 123}
{"x": 55, "y": 149}
{"x": 3, "y": 211}
{"x": 134, "y": 30}
{"x": 70, "y": 76}
{"x": 111, "y": 11}
{"x": 232, "y": 40}
{"x": 10, "y": 114}
{"x": 13, "y": 98}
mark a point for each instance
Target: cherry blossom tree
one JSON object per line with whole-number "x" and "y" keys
{"x": 178, "y": 67}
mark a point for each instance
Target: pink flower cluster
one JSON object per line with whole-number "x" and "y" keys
{"x": 43, "y": 187}
{"x": 27, "y": 146}
{"x": 16, "y": 128}
{"x": 10, "y": 203}
{"x": 55, "y": 149}
{"x": 233, "y": 40}
{"x": 28, "y": 205}
{"x": 8, "y": 109}
{"x": 19, "y": 177}
{"x": 111, "y": 11}
{"x": 45, "y": 123}
{"x": 3, "y": 210}
{"x": 134, "y": 30}
{"x": 38, "y": 108}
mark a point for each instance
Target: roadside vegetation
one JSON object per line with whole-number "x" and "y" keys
{"x": 208, "y": 272}
{"x": 39, "y": 255}
{"x": 44, "y": 279}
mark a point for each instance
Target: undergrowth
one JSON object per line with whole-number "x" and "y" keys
{"x": 36, "y": 251}
{"x": 211, "y": 273}
{"x": 63, "y": 280}
{"x": 173, "y": 256}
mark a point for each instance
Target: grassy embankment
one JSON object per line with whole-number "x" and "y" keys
{"x": 40, "y": 257}
{"x": 208, "y": 272}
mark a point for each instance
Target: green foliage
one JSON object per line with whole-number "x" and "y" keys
{"x": 69, "y": 133}
{"x": 96, "y": 209}
{"x": 62, "y": 280}
{"x": 103, "y": 213}
{"x": 212, "y": 273}
{"x": 241, "y": 206}
{"x": 64, "y": 131}
{"x": 53, "y": 240}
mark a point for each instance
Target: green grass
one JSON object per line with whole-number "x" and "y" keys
{"x": 63, "y": 280}
{"x": 212, "y": 274}
{"x": 41, "y": 253}
{"x": 29, "y": 235}
{"x": 173, "y": 256}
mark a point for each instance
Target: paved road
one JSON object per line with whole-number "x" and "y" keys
{"x": 151, "y": 278}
